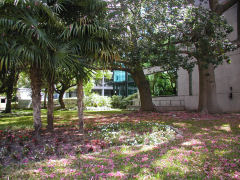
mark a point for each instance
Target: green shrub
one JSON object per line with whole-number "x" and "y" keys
{"x": 122, "y": 103}
{"x": 95, "y": 100}
{"x": 116, "y": 101}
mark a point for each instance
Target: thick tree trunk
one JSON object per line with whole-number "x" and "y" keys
{"x": 80, "y": 104}
{"x": 36, "y": 82}
{"x": 45, "y": 99}
{"x": 60, "y": 100}
{"x": 144, "y": 90}
{"x": 207, "y": 90}
{"x": 50, "y": 106}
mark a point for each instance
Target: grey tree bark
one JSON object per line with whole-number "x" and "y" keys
{"x": 36, "y": 82}
{"x": 45, "y": 99}
{"x": 208, "y": 102}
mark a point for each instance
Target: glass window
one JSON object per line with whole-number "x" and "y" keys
{"x": 119, "y": 76}
{"x": 108, "y": 92}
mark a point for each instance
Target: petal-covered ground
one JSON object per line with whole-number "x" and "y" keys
{"x": 208, "y": 147}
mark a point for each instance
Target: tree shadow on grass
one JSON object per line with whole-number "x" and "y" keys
{"x": 208, "y": 149}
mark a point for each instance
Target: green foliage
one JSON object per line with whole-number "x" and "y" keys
{"x": 204, "y": 36}
{"x": 122, "y": 103}
{"x": 23, "y": 81}
{"x": 163, "y": 83}
{"x": 95, "y": 100}
{"x": 116, "y": 101}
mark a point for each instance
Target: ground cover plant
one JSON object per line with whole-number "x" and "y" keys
{"x": 204, "y": 147}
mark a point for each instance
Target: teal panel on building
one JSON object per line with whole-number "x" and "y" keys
{"x": 123, "y": 84}
{"x": 119, "y": 76}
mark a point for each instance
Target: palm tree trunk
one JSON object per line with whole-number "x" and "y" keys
{"x": 36, "y": 82}
{"x": 8, "y": 108}
{"x": 11, "y": 82}
{"x": 80, "y": 104}
{"x": 50, "y": 106}
{"x": 45, "y": 99}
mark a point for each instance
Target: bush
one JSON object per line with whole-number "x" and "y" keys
{"x": 95, "y": 100}
{"x": 116, "y": 101}
{"x": 122, "y": 103}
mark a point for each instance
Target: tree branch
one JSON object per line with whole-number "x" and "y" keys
{"x": 221, "y": 8}
{"x": 115, "y": 68}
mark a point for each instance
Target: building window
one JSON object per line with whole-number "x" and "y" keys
{"x": 3, "y": 101}
{"x": 190, "y": 82}
{"x": 108, "y": 92}
{"x": 123, "y": 84}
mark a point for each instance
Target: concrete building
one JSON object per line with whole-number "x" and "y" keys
{"x": 103, "y": 87}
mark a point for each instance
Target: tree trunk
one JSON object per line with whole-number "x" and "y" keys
{"x": 36, "y": 82}
{"x": 11, "y": 82}
{"x": 45, "y": 99}
{"x": 207, "y": 89}
{"x": 144, "y": 90}
{"x": 50, "y": 106}
{"x": 80, "y": 104}
{"x": 60, "y": 99}
{"x": 8, "y": 108}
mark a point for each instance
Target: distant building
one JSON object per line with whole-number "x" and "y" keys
{"x": 103, "y": 87}
{"x": 3, "y": 102}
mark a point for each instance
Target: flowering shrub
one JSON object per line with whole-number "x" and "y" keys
{"x": 95, "y": 100}
{"x": 147, "y": 133}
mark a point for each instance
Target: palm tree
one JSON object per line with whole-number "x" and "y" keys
{"x": 42, "y": 40}
{"x": 31, "y": 26}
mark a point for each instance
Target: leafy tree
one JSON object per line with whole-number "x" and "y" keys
{"x": 168, "y": 30}
{"x": 206, "y": 32}
{"x": 135, "y": 25}
{"x": 63, "y": 82}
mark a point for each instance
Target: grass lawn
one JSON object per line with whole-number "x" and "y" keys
{"x": 208, "y": 147}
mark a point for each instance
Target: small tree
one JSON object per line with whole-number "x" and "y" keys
{"x": 63, "y": 82}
